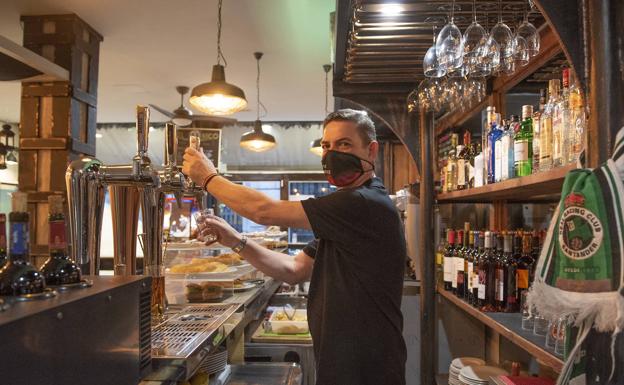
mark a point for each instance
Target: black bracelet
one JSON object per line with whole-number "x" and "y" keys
{"x": 208, "y": 179}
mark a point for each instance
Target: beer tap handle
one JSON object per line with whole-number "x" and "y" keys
{"x": 171, "y": 145}
{"x": 142, "y": 125}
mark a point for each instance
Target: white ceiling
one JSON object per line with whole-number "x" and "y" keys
{"x": 150, "y": 46}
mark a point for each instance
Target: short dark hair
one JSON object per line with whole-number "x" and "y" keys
{"x": 362, "y": 121}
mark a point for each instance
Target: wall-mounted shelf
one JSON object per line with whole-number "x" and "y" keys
{"x": 508, "y": 325}
{"x": 543, "y": 186}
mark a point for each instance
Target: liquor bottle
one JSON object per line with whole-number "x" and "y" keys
{"x": 458, "y": 261}
{"x": 443, "y": 179}
{"x": 482, "y": 271}
{"x": 498, "y": 152}
{"x": 537, "y": 116}
{"x": 59, "y": 269}
{"x": 493, "y": 137}
{"x": 490, "y": 117}
{"x": 525, "y": 265}
{"x": 479, "y": 167}
{"x": 558, "y": 130}
{"x": 4, "y": 258}
{"x": 546, "y": 128}
{"x": 440, "y": 261}
{"x": 451, "y": 165}
{"x": 499, "y": 274}
{"x": 507, "y": 151}
{"x": 460, "y": 182}
{"x": 461, "y": 262}
{"x": 463, "y": 163}
{"x": 487, "y": 267}
{"x": 523, "y": 143}
{"x": 577, "y": 122}
{"x": 448, "y": 259}
{"x": 511, "y": 303}
{"x": 19, "y": 277}
{"x": 469, "y": 267}
{"x": 564, "y": 110}
{"x": 517, "y": 255}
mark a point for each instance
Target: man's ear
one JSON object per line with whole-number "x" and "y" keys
{"x": 373, "y": 150}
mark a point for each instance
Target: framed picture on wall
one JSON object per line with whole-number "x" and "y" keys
{"x": 210, "y": 142}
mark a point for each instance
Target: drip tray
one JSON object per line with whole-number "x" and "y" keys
{"x": 189, "y": 335}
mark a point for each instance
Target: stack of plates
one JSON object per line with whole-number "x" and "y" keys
{"x": 479, "y": 375}
{"x": 215, "y": 362}
{"x": 458, "y": 364}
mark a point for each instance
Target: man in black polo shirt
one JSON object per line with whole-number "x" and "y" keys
{"x": 355, "y": 265}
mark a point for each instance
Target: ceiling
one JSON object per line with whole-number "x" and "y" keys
{"x": 151, "y": 46}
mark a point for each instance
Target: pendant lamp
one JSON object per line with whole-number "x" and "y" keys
{"x": 315, "y": 146}
{"x": 218, "y": 97}
{"x": 257, "y": 140}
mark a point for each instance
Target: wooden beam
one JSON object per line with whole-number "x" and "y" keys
{"x": 426, "y": 252}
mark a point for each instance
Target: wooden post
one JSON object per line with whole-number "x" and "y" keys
{"x": 427, "y": 260}
{"x": 58, "y": 119}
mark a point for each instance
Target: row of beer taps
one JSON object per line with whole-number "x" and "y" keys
{"x": 130, "y": 186}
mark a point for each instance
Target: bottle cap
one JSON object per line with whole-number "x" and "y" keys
{"x": 527, "y": 111}
{"x": 566, "y": 77}
{"x": 55, "y": 203}
{"x": 19, "y": 202}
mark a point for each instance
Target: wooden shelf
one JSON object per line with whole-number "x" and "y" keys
{"x": 508, "y": 325}
{"x": 543, "y": 186}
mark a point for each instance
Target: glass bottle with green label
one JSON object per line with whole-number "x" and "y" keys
{"x": 523, "y": 143}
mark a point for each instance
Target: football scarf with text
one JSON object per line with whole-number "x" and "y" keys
{"x": 580, "y": 271}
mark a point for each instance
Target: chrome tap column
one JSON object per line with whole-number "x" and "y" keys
{"x": 85, "y": 198}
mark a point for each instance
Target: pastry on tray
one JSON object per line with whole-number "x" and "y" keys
{"x": 203, "y": 292}
{"x": 199, "y": 265}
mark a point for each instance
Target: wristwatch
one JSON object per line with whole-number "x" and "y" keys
{"x": 240, "y": 246}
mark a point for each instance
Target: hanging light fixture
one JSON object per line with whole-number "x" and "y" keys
{"x": 315, "y": 146}
{"x": 182, "y": 116}
{"x": 3, "y": 153}
{"x": 218, "y": 97}
{"x": 257, "y": 140}
{"x": 7, "y": 146}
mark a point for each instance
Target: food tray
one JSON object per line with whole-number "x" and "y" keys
{"x": 287, "y": 326}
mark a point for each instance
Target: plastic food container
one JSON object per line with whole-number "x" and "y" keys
{"x": 280, "y": 323}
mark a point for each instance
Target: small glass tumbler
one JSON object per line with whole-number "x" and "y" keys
{"x": 527, "y": 317}
{"x": 199, "y": 217}
{"x": 540, "y": 325}
{"x": 553, "y": 332}
{"x": 561, "y": 337}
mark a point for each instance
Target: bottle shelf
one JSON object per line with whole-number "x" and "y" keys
{"x": 508, "y": 325}
{"x": 543, "y": 186}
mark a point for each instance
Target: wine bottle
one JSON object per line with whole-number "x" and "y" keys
{"x": 448, "y": 259}
{"x": 488, "y": 268}
{"x": 458, "y": 266}
{"x": 58, "y": 269}
{"x": 525, "y": 265}
{"x": 469, "y": 267}
{"x": 19, "y": 277}
{"x": 511, "y": 305}
{"x": 499, "y": 274}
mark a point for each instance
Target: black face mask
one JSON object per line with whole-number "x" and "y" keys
{"x": 341, "y": 168}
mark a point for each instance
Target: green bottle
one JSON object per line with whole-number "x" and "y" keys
{"x": 523, "y": 143}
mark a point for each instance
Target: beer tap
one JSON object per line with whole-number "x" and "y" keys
{"x": 129, "y": 185}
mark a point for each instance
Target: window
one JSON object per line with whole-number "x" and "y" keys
{"x": 244, "y": 225}
{"x": 298, "y": 191}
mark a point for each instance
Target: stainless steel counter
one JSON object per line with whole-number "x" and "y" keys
{"x": 251, "y": 307}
